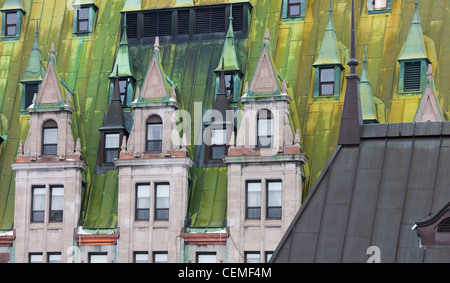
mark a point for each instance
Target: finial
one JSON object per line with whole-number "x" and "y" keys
{"x": 37, "y": 27}
{"x": 353, "y": 63}
{"x": 52, "y": 50}
{"x": 157, "y": 43}
{"x": 231, "y": 12}
{"x": 267, "y": 35}
{"x": 331, "y": 6}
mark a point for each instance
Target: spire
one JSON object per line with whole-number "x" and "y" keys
{"x": 329, "y": 53}
{"x": 123, "y": 55}
{"x": 350, "y": 133}
{"x": 35, "y": 69}
{"x": 229, "y": 54}
{"x": 115, "y": 118}
{"x": 429, "y": 110}
{"x": 221, "y": 103}
{"x": 414, "y": 47}
{"x": 368, "y": 108}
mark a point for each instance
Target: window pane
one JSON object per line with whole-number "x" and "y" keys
{"x": 206, "y": 258}
{"x": 39, "y": 199}
{"x": 83, "y": 14}
{"x": 143, "y": 197}
{"x": 36, "y": 258}
{"x": 327, "y": 75}
{"x": 162, "y": 196}
{"x": 294, "y": 10}
{"x": 141, "y": 258}
{"x": 274, "y": 193}
{"x": 265, "y": 127}
{"x": 83, "y": 26}
{"x": 112, "y": 141}
{"x": 252, "y": 258}
{"x": 154, "y": 132}
{"x": 254, "y": 194}
{"x": 11, "y": 18}
{"x": 51, "y": 136}
{"x": 380, "y": 4}
{"x": 154, "y": 146}
{"x": 327, "y": 89}
{"x": 11, "y": 30}
{"x": 218, "y": 137}
{"x": 160, "y": 258}
{"x": 54, "y": 258}
{"x": 217, "y": 152}
{"x": 98, "y": 258}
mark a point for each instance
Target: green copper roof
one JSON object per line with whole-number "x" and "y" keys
{"x": 123, "y": 57}
{"x": 230, "y": 59}
{"x": 414, "y": 47}
{"x": 83, "y": 2}
{"x": 329, "y": 53}
{"x": 368, "y": 108}
{"x": 13, "y": 5}
{"x": 35, "y": 69}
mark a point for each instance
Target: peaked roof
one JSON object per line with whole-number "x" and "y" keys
{"x": 265, "y": 80}
{"x": 371, "y": 195}
{"x": 221, "y": 102}
{"x": 329, "y": 53}
{"x": 368, "y": 108}
{"x": 230, "y": 58}
{"x": 123, "y": 63}
{"x": 156, "y": 87}
{"x": 429, "y": 110}
{"x": 115, "y": 117}
{"x": 414, "y": 47}
{"x": 35, "y": 69}
{"x": 13, "y": 5}
{"x": 50, "y": 91}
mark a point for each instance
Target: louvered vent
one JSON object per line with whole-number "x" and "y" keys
{"x": 30, "y": 90}
{"x": 444, "y": 227}
{"x": 412, "y": 76}
{"x": 157, "y": 24}
{"x": 210, "y": 20}
{"x": 238, "y": 18}
{"x": 132, "y": 25}
{"x": 183, "y": 22}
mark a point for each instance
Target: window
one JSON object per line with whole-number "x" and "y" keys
{"x": 83, "y": 19}
{"x": 268, "y": 256}
{"x": 38, "y": 204}
{"x": 35, "y": 258}
{"x": 11, "y": 24}
{"x": 50, "y": 138}
{"x": 218, "y": 143}
{"x": 132, "y": 25}
{"x": 229, "y": 84}
{"x": 274, "y": 209}
{"x": 183, "y": 22}
{"x": 379, "y": 4}
{"x": 160, "y": 257}
{"x": 56, "y": 204}
{"x": 54, "y": 257}
{"x": 210, "y": 20}
{"x": 154, "y": 134}
{"x": 140, "y": 257}
{"x": 326, "y": 81}
{"x": 143, "y": 202}
{"x": 253, "y": 205}
{"x": 157, "y": 24}
{"x": 265, "y": 128}
{"x": 412, "y": 76}
{"x": 206, "y": 257}
{"x": 162, "y": 202}
{"x": 123, "y": 85}
{"x": 30, "y": 90}
{"x": 112, "y": 147}
{"x": 252, "y": 257}
{"x": 98, "y": 257}
{"x": 294, "y": 8}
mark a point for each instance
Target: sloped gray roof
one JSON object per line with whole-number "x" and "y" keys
{"x": 372, "y": 195}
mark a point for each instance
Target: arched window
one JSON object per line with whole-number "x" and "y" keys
{"x": 49, "y": 138}
{"x": 265, "y": 128}
{"x": 154, "y": 134}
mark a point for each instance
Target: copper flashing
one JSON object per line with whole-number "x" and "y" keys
{"x": 96, "y": 239}
{"x": 213, "y": 238}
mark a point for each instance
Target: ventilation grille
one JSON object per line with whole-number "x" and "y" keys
{"x": 238, "y": 18}
{"x": 157, "y": 24}
{"x": 444, "y": 227}
{"x": 132, "y": 25}
{"x": 183, "y": 22}
{"x": 412, "y": 76}
{"x": 210, "y": 20}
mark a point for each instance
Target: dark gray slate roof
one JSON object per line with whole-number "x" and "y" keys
{"x": 372, "y": 195}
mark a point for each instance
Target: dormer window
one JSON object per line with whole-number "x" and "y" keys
{"x": 12, "y": 24}
{"x": 84, "y": 19}
{"x": 412, "y": 76}
{"x": 112, "y": 147}
{"x": 379, "y": 6}
{"x": 49, "y": 138}
{"x": 294, "y": 9}
{"x": 326, "y": 81}
{"x": 123, "y": 83}
{"x": 30, "y": 88}
{"x": 218, "y": 143}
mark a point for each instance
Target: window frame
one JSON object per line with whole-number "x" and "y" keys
{"x": 7, "y": 25}
{"x": 46, "y": 126}
{"x": 199, "y": 254}
{"x": 83, "y": 20}
{"x": 166, "y": 210}
{"x": 135, "y": 254}
{"x": 325, "y": 83}
{"x": 33, "y": 216}
{"x": 154, "y": 120}
{"x": 372, "y": 11}
{"x": 156, "y": 253}
{"x": 137, "y": 210}
{"x": 268, "y": 207}
{"x": 246, "y": 254}
{"x": 247, "y": 207}
{"x": 215, "y": 146}
{"x": 111, "y": 149}
{"x": 290, "y": 5}
{"x": 91, "y": 254}
{"x": 269, "y": 117}
{"x": 29, "y": 89}
{"x": 286, "y": 15}
{"x": 56, "y": 215}
{"x": 50, "y": 254}
{"x": 30, "y": 255}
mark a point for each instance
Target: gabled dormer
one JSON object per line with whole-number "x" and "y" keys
{"x": 429, "y": 110}
{"x": 413, "y": 59}
{"x": 127, "y": 81}
{"x": 229, "y": 63}
{"x": 32, "y": 78}
{"x": 328, "y": 65}
{"x": 84, "y": 17}
{"x": 13, "y": 12}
